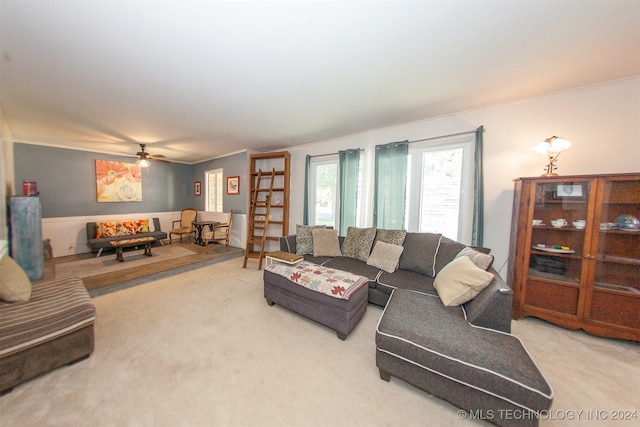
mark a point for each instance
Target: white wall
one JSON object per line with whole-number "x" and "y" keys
{"x": 602, "y": 121}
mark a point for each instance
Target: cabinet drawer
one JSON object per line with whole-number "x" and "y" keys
{"x": 561, "y": 298}
{"x": 615, "y": 308}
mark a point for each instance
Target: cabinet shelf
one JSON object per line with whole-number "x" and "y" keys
{"x": 555, "y": 254}
{"x": 618, "y": 259}
{"x": 558, "y": 279}
{"x": 617, "y": 289}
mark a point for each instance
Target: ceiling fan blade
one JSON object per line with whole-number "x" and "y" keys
{"x": 158, "y": 159}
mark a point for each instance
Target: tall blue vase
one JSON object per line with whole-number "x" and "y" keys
{"x": 26, "y": 235}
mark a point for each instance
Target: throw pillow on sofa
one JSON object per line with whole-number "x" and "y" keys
{"x": 446, "y": 253}
{"x": 304, "y": 239}
{"x": 325, "y": 242}
{"x": 481, "y": 260}
{"x": 460, "y": 281}
{"x": 357, "y": 244}
{"x": 106, "y": 229}
{"x": 15, "y": 285}
{"x": 420, "y": 251}
{"x": 385, "y": 256}
{"x": 395, "y": 237}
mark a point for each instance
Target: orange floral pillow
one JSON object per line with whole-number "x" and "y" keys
{"x": 106, "y": 229}
{"x": 126, "y": 228}
{"x": 142, "y": 226}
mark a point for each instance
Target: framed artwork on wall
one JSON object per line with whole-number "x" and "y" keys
{"x": 197, "y": 188}
{"x": 233, "y": 185}
{"x": 118, "y": 182}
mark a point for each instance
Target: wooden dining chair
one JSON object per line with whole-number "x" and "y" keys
{"x": 220, "y": 233}
{"x": 184, "y": 224}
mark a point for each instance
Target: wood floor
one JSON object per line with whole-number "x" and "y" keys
{"x": 127, "y": 274}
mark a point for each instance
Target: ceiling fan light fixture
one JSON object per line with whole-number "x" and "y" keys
{"x": 143, "y": 163}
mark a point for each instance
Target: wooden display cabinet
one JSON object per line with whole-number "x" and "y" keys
{"x": 573, "y": 276}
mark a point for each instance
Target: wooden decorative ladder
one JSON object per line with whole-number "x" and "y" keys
{"x": 259, "y": 216}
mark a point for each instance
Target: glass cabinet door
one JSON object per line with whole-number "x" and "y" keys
{"x": 559, "y": 219}
{"x": 616, "y": 286}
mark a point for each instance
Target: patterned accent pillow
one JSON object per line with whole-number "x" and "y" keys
{"x": 304, "y": 239}
{"x": 357, "y": 244}
{"x": 142, "y": 226}
{"x": 125, "y": 228}
{"x": 395, "y": 237}
{"x": 105, "y": 229}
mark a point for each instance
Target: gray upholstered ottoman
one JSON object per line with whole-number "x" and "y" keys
{"x": 433, "y": 347}
{"x": 334, "y": 298}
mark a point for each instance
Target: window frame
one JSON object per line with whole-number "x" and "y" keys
{"x": 219, "y": 191}
{"x": 414, "y": 184}
{"x": 313, "y": 164}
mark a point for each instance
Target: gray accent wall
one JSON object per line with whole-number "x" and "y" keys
{"x": 66, "y": 182}
{"x": 233, "y": 165}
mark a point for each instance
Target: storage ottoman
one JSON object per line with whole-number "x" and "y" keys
{"x": 334, "y": 298}
{"x": 434, "y": 348}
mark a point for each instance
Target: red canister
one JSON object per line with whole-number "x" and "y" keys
{"x": 29, "y": 188}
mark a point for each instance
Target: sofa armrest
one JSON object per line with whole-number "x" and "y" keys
{"x": 492, "y": 308}
{"x": 92, "y": 229}
{"x": 288, "y": 243}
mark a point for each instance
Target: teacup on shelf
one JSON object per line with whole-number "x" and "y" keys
{"x": 579, "y": 223}
{"x": 558, "y": 223}
{"x": 537, "y": 222}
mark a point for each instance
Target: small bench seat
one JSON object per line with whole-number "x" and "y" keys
{"x": 419, "y": 341}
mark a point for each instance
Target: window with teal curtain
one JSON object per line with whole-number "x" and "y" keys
{"x": 390, "y": 185}
{"x": 349, "y": 163}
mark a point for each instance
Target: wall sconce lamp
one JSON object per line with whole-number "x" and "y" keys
{"x": 552, "y": 147}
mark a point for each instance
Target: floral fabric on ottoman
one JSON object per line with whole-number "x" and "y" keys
{"x": 329, "y": 281}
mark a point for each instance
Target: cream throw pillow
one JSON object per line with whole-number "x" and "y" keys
{"x": 15, "y": 286}
{"x": 385, "y": 256}
{"x": 481, "y": 260}
{"x": 325, "y": 242}
{"x": 461, "y": 281}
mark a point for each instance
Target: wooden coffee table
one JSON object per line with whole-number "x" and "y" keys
{"x": 121, "y": 244}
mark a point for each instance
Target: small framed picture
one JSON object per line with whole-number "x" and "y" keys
{"x": 197, "y": 188}
{"x": 233, "y": 185}
{"x": 569, "y": 190}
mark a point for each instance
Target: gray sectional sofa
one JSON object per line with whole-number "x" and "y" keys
{"x": 423, "y": 253}
{"x": 437, "y": 340}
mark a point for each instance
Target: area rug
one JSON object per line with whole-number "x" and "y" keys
{"x": 107, "y": 263}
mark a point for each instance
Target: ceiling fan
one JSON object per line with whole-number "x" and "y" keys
{"x": 144, "y": 158}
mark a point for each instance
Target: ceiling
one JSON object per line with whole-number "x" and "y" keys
{"x": 199, "y": 79}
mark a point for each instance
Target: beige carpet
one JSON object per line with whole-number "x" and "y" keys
{"x": 107, "y": 263}
{"x": 203, "y": 348}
